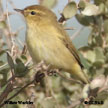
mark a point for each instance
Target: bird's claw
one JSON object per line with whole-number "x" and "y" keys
{"x": 39, "y": 76}
{"x": 52, "y": 72}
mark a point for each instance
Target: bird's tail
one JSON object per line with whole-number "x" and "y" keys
{"x": 78, "y": 73}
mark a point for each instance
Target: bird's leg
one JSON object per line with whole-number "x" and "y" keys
{"x": 39, "y": 76}
{"x": 41, "y": 68}
{"x": 52, "y": 72}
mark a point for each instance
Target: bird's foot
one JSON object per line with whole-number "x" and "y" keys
{"x": 39, "y": 76}
{"x": 41, "y": 69}
{"x": 53, "y": 72}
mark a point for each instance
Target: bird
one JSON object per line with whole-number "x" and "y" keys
{"x": 47, "y": 41}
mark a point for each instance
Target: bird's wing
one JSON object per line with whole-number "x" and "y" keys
{"x": 72, "y": 49}
{"x": 68, "y": 43}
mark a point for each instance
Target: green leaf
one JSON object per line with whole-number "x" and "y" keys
{"x": 86, "y": 91}
{"x": 56, "y": 83}
{"x": 84, "y": 49}
{"x": 48, "y": 103}
{"x": 106, "y": 71}
{"x": 107, "y": 39}
{"x": 2, "y": 24}
{"x": 102, "y": 8}
{"x": 10, "y": 61}
{"x": 2, "y": 52}
{"x": 91, "y": 56}
{"x": 69, "y": 87}
{"x": 84, "y": 20}
{"x": 106, "y": 3}
{"x": 48, "y": 3}
{"x": 102, "y": 95}
{"x": 84, "y": 62}
{"x": 92, "y": 71}
{"x": 91, "y": 10}
{"x": 105, "y": 26}
{"x": 20, "y": 69}
{"x": 99, "y": 54}
{"x": 3, "y": 88}
{"x": 1, "y": 63}
{"x": 106, "y": 57}
{"x": 70, "y": 10}
{"x": 3, "y": 74}
{"x": 99, "y": 40}
{"x": 23, "y": 57}
{"x": 98, "y": 63}
{"x": 97, "y": 2}
{"x": 82, "y": 4}
{"x": 90, "y": 38}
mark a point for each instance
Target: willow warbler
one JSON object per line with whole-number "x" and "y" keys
{"x": 48, "y": 41}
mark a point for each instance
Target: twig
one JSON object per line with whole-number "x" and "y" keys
{"x": 5, "y": 93}
{"x": 10, "y": 31}
{"x": 16, "y": 33}
{"x": 24, "y": 51}
{"x": 69, "y": 79}
{"x": 1, "y": 12}
{"x": 28, "y": 62}
{"x": 47, "y": 85}
{"x": 10, "y": 1}
{"x": 1, "y": 8}
{"x": 69, "y": 28}
{"x": 61, "y": 19}
{"x": 19, "y": 41}
{"x": 77, "y": 33}
{"x": 37, "y": 79}
{"x": 69, "y": 1}
{"x": 3, "y": 65}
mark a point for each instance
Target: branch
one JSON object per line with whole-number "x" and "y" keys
{"x": 77, "y": 33}
{"x": 6, "y": 92}
{"x": 38, "y": 77}
{"x": 69, "y": 28}
{"x": 17, "y": 92}
{"x": 68, "y": 79}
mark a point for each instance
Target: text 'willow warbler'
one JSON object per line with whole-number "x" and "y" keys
{"x": 47, "y": 40}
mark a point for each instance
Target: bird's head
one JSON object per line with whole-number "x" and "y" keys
{"x": 37, "y": 13}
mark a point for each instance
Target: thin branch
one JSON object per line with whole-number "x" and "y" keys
{"x": 69, "y": 79}
{"x": 69, "y": 28}
{"x": 2, "y": 66}
{"x": 69, "y": 1}
{"x": 77, "y": 33}
{"x": 1, "y": 12}
{"x": 6, "y": 92}
{"x": 10, "y": 31}
{"x": 13, "y": 5}
{"x": 28, "y": 62}
{"x": 37, "y": 79}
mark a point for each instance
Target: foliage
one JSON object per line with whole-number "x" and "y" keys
{"x": 54, "y": 91}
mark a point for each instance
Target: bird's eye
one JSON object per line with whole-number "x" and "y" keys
{"x": 33, "y": 12}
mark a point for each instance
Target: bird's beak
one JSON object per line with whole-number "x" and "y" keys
{"x": 19, "y": 10}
